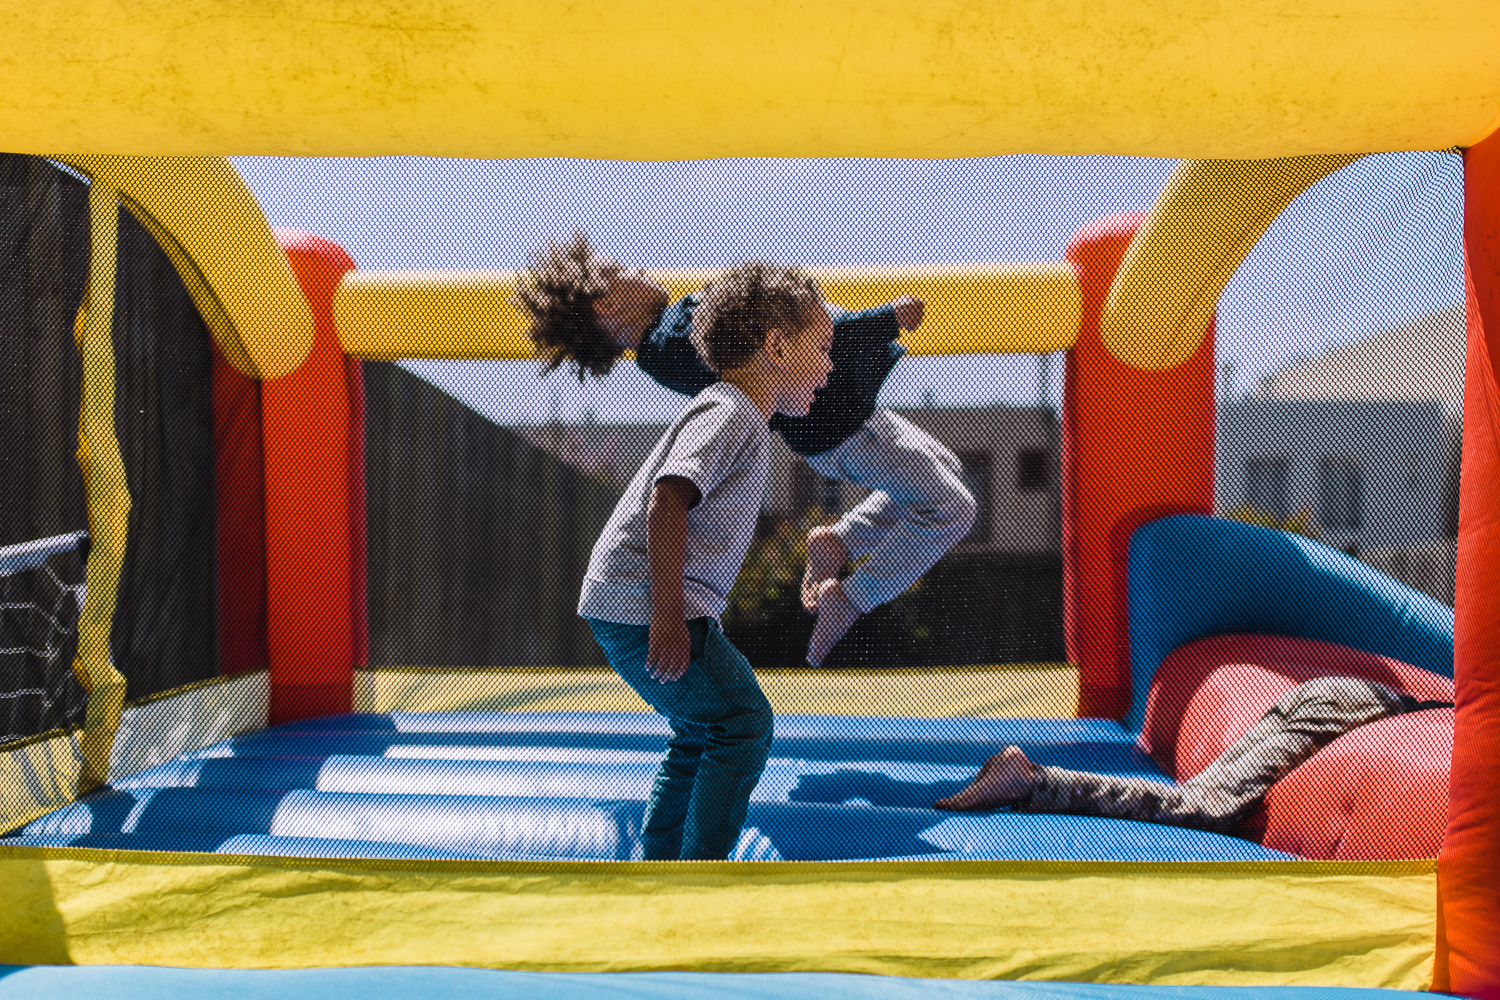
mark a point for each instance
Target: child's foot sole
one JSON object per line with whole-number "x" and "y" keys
{"x": 835, "y": 617}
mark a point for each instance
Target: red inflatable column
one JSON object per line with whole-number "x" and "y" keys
{"x": 315, "y": 512}
{"x": 1137, "y": 446}
{"x": 1468, "y": 947}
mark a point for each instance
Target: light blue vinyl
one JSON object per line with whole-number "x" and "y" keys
{"x": 407, "y": 982}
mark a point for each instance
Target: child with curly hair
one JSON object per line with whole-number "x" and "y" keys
{"x": 661, "y": 571}
{"x": 588, "y": 309}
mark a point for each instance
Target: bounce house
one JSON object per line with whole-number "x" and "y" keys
{"x": 226, "y": 793}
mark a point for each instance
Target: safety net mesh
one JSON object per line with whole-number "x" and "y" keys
{"x": 1165, "y": 593}
{"x": 44, "y": 227}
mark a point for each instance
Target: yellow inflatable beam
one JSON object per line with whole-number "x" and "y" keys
{"x": 212, "y": 228}
{"x": 1206, "y": 219}
{"x": 971, "y": 308}
{"x": 678, "y": 79}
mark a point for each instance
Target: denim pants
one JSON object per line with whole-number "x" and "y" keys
{"x": 920, "y": 507}
{"x": 1225, "y": 793}
{"x": 721, "y": 736}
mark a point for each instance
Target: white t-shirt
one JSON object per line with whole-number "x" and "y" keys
{"x": 721, "y": 444}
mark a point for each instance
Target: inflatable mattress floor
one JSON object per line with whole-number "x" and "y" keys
{"x": 572, "y": 786}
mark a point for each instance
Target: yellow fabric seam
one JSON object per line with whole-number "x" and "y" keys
{"x": 108, "y": 494}
{"x": 1231, "y": 923}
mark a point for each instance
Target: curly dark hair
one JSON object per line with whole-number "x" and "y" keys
{"x": 558, "y": 289}
{"x": 743, "y": 305}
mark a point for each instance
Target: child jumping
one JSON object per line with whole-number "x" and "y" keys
{"x": 661, "y": 572}
{"x": 587, "y": 309}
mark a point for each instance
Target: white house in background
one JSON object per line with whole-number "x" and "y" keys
{"x": 1009, "y": 456}
{"x": 1364, "y": 437}
{"x": 1369, "y": 472}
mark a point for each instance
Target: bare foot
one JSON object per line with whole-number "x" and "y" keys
{"x": 1004, "y": 778}
{"x": 826, "y": 555}
{"x": 835, "y": 617}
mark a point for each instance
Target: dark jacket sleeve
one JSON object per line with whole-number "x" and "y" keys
{"x": 864, "y": 352}
{"x": 667, "y": 354}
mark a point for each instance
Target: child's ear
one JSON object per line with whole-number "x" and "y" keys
{"x": 775, "y": 344}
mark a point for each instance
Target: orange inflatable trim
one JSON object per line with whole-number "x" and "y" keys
{"x": 1468, "y": 953}
{"x": 1137, "y": 445}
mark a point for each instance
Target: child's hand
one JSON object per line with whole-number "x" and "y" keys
{"x": 669, "y": 651}
{"x": 909, "y": 310}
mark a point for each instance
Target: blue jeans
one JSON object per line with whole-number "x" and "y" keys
{"x": 721, "y": 736}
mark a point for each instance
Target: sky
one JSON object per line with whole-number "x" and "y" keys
{"x": 1373, "y": 244}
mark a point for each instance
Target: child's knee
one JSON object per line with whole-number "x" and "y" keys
{"x": 956, "y": 510}
{"x": 749, "y": 729}
{"x": 1343, "y": 695}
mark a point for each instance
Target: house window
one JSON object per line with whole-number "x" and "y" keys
{"x": 831, "y": 496}
{"x": 976, "y": 476}
{"x": 1340, "y": 493}
{"x": 1265, "y": 486}
{"x": 1031, "y": 470}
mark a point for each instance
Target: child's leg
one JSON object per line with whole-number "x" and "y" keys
{"x": 739, "y": 740}
{"x": 1305, "y": 720}
{"x": 672, "y": 791}
{"x": 625, "y": 646}
{"x": 919, "y": 509}
{"x": 721, "y": 723}
{"x": 1220, "y": 798}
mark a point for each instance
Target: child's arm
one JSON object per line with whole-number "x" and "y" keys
{"x": 909, "y": 310}
{"x": 669, "y": 652}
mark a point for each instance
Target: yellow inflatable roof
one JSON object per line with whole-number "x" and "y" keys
{"x": 679, "y": 79}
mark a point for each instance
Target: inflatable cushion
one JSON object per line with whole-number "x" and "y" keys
{"x": 1208, "y": 693}
{"x": 1194, "y": 577}
{"x": 1377, "y": 793}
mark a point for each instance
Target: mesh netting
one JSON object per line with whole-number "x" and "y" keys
{"x": 490, "y": 720}
{"x": 44, "y": 229}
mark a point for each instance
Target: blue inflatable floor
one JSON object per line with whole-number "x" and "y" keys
{"x": 572, "y": 786}
{"x": 408, "y": 983}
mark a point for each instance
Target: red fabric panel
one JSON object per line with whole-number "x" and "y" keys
{"x": 1209, "y": 693}
{"x": 240, "y": 516}
{"x": 313, "y": 424}
{"x": 1137, "y": 446}
{"x": 1377, "y": 793}
{"x": 1468, "y": 947}
{"x": 358, "y": 605}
